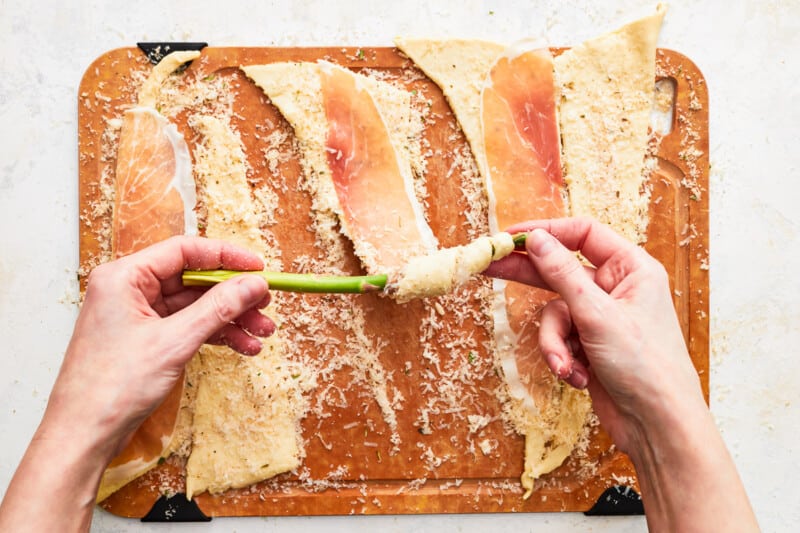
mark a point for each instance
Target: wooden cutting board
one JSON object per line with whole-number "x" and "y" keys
{"x": 375, "y": 480}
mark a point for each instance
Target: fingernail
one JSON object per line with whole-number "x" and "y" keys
{"x": 556, "y": 364}
{"x": 579, "y": 377}
{"x": 539, "y": 242}
{"x": 251, "y": 288}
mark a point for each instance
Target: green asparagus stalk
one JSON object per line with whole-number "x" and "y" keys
{"x": 519, "y": 240}
{"x": 282, "y": 281}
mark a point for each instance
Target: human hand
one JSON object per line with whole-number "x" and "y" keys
{"x": 613, "y": 330}
{"x": 136, "y": 330}
{"x": 139, "y": 326}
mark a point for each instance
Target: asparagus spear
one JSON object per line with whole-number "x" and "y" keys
{"x": 282, "y": 281}
{"x": 519, "y": 240}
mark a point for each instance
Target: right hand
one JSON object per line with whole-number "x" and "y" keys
{"x": 613, "y": 330}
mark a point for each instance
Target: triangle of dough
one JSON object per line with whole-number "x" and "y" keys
{"x": 459, "y": 68}
{"x": 247, "y": 411}
{"x": 607, "y": 89}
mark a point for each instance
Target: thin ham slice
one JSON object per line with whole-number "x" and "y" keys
{"x": 352, "y": 129}
{"x": 373, "y": 184}
{"x": 524, "y": 182}
{"x": 520, "y": 131}
{"x": 154, "y": 200}
{"x": 155, "y": 191}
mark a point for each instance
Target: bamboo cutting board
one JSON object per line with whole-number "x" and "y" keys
{"x": 370, "y": 479}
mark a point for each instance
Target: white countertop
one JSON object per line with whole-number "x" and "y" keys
{"x": 747, "y": 50}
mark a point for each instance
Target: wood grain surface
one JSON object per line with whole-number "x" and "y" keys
{"x": 377, "y": 481}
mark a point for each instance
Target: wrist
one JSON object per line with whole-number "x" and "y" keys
{"x": 680, "y": 459}
{"x": 55, "y": 485}
{"x": 73, "y": 448}
{"x": 669, "y": 424}
{"x": 92, "y": 419}
{"x": 78, "y": 437}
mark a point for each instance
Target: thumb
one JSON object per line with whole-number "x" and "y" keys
{"x": 219, "y": 306}
{"x": 562, "y": 271}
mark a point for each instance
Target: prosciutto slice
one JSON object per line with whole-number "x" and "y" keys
{"x": 154, "y": 200}
{"x": 524, "y": 182}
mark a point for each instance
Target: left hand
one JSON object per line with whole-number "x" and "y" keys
{"x": 136, "y": 330}
{"x": 139, "y": 326}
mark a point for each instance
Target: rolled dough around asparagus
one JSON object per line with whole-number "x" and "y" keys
{"x": 443, "y": 271}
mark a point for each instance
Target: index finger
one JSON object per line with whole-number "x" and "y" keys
{"x": 596, "y": 241}
{"x": 172, "y": 256}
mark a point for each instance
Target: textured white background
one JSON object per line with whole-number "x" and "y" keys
{"x": 747, "y": 50}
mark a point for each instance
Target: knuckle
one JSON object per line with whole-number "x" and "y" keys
{"x": 103, "y": 275}
{"x": 656, "y": 270}
{"x": 177, "y": 240}
{"x": 564, "y": 267}
{"x": 596, "y": 314}
{"x": 223, "y": 306}
{"x": 556, "y": 317}
{"x": 97, "y": 275}
{"x": 556, "y": 309}
{"x": 587, "y": 223}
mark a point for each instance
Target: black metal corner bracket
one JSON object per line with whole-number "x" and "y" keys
{"x": 617, "y": 501}
{"x": 155, "y": 51}
{"x": 175, "y": 509}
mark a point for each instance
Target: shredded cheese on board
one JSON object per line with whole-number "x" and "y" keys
{"x": 247, "y": 409}
{"x": 457, "y": 375}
